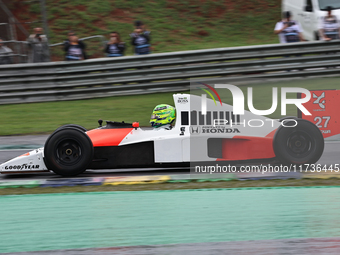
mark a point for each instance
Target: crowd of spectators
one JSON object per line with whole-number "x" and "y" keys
{"x": 38, "y": 47}
{"x": 140, "y": 40}
{"x": 114, "y": 47}
{"x": 75, "y": 48}
{"x": 330, "y": 28}
{"x": 287, "y": 29}
{"x": 290, "y": 31}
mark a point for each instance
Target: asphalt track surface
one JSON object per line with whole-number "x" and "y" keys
{"x": 300, "y": 220}
{"x": 331, "y": 156}
{"x": 256, "y": 221}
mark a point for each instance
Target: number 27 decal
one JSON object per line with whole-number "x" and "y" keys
{"x": 318, "y": 121}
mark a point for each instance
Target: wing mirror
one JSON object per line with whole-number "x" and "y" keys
{"x": 135, "y": 125}
{"x": 100, "y": 122}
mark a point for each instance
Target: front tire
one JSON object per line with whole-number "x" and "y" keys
{"x": 68, "y": 151}
{"x": 302, "y": 144}
{"x": 81, "y": 128}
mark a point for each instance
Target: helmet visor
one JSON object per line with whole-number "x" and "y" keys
{"x": 156, "y": 117}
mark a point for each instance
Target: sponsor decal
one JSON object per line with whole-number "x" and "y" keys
{"x": 195, "y": 130}
{"x": 212, "y": 130}
{"x": 182, "y": 100}
{"x": 219, "y": 130}
{"x": 325, "y": 107}
{"x": 182, "y": 130}
{"x": 318, "y": 98}
{"x": 22, "y": 167}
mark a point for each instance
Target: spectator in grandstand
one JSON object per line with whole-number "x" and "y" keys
{"x": 329, "y": 27}
{"x": 140, "y": 39}
{"x": 74, "y": 48}
{"x": 39, "y": 48}
{"x": 115, "y": 47}
{"x": 288, "y": 30}
{"x": 5, "y": 54}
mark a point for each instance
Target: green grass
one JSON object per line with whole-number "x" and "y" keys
{"x": 176, "y": 186}
{"x": 45, "y": 117}
{"x": 38, "y": 118}
{"x": 176, "y": 25}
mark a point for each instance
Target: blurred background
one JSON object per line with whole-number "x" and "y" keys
{"x": 175, "y": 25}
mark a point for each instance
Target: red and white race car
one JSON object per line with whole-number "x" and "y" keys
{"x": 218, "y": 135}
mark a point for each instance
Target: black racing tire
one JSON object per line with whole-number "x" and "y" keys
{"x": 302, "y": 144}
{"x": 68, "y": 151}
{"x": 72, "y": 126}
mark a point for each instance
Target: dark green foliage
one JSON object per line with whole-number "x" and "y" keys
{"x": 175, "y": 25}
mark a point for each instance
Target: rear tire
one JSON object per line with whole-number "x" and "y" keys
{"x": 68, "y": 151}
{"x": 302, "y": 144}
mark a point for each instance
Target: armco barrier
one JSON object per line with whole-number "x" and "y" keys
{"x": 164, "y": 71}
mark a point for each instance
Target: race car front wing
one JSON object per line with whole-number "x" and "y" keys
{"x": 32, "y": 161}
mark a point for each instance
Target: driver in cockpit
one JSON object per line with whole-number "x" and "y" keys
{"x": 163, "y": 117}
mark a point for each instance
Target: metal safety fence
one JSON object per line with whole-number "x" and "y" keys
{"x": 16, "y": 52}
{"x": 161, "y": 72}
{"x": 100, "y": 37}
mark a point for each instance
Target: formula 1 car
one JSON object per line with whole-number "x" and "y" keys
{"x": 217, "y": 135}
